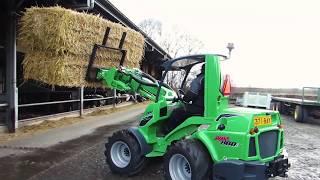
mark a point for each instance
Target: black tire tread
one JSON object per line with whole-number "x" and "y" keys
{"x": 302, "y": 114}
{"x": 280, "y": 107}
{"x": 138, "y": 161}
{"x": 197, "y": 155}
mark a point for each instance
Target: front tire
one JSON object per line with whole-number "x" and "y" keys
{"x": 187, "y": 160}
{"x": 123, "y": 154}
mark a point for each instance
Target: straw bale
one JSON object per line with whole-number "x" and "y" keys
{"x": 58, "y": 43}
{"x": 61, "y": 70}
{"x": 65, "y": 31}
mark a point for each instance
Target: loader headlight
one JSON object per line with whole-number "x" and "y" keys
{"x": 254, "y": 130}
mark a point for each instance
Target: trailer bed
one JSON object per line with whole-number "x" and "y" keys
{"x": 301, "y": 108}
{"x": 297, "y": 101}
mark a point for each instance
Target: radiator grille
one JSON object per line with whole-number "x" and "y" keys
{"x": 268, "y": 142}
{"x": 252, "y": 147}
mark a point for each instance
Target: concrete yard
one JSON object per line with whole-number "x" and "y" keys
{"x": 82, "y": 158}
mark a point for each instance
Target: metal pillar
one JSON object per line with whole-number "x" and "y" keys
{"x": 114, "y": 98}
{"x": 81, "y": 101}
{"x": 11, "y": 86}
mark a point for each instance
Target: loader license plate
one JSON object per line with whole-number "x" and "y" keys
{"x": 262, "y": 120}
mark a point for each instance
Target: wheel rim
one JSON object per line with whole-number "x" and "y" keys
{"x": 120, "y": 154}
{"x": 179, "y": 167}
{"x": 295, "y": 114}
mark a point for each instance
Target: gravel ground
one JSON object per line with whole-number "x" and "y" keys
{"x": 83, "y": 158}
{"x": 303, "y": 147}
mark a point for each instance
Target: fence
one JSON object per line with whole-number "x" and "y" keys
{"x": 80, "y": 102}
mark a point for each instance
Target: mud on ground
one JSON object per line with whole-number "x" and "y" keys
{"x": 303, "y": 146}
{"x": 83, "y": 158}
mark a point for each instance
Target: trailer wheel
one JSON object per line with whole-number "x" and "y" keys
{"x": 123, "y": 154}
{"x": 273, "y": 106}
{"x": 186, "y": 160}
{"x": 300, "y": 114}
{"x": 281, "y": 108}
{"x": 278, "y": 107}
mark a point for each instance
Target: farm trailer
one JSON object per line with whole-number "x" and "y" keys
{"x": 301, "y": 108}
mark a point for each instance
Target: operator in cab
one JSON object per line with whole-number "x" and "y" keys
{"x": 194, "y": 103}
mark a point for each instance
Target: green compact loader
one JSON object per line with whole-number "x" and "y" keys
{"x": 224, "y": 143}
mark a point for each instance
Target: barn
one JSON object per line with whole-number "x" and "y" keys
{"x": 21, "y": 100}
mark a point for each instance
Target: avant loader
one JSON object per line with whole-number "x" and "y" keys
{"x": 223, "y": 143}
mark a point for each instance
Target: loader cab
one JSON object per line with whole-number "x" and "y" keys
{"x": 182, "y": 71}
{"x": 179, "y": 72}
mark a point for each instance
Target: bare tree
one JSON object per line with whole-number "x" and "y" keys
{"x": 175, "y": 42}
{"x": 178, "y": 43}
{"x": 191, "y": 45}
{"x": 152, "y": 27}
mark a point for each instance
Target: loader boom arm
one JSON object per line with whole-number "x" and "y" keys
{"x": 135, "y": 81}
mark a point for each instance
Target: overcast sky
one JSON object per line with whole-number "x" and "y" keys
{"x": 276, "y": 41}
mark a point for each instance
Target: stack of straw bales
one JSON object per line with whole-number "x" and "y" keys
{"x": 58, "y": 42}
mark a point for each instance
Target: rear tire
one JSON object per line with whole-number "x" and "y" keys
{"x": 300, "y": 114}
{"x": 186, "y": 160}
{"x": 123, "y": 154}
